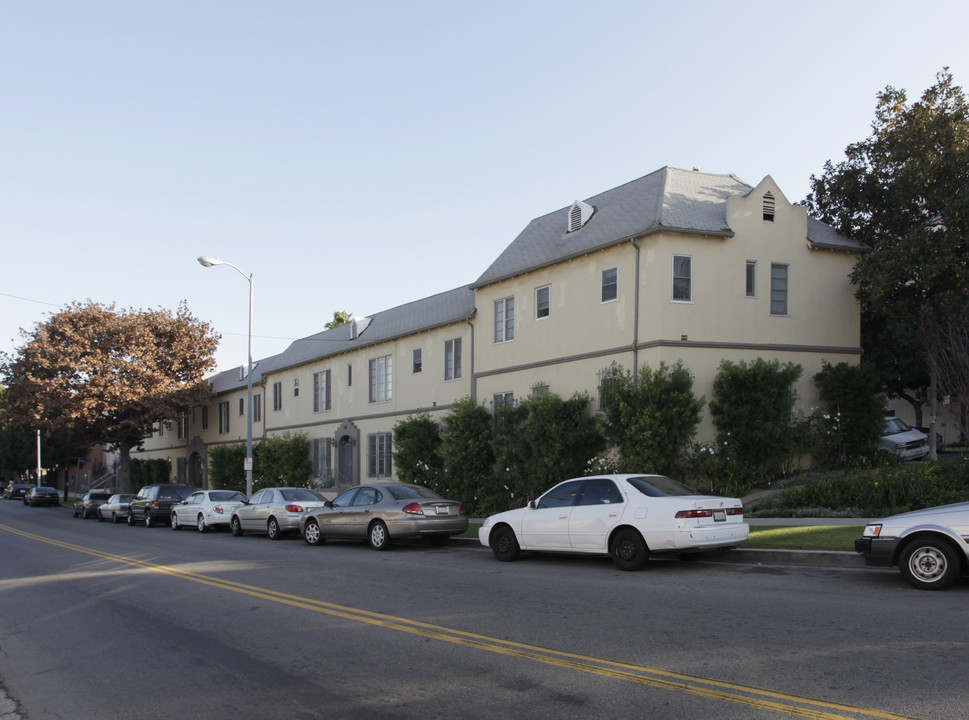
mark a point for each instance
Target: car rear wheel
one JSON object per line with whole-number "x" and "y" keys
{"x": 629, "y": 550}
{"x": 131, "y": 518}
{"x": 114, "y": 517}
{"x": 235, "y": 526}
{"x": 312, "y": 534}
{"x": 149, "y": 521}
{"x": 174, "y": 523}
{"x": 378, "y": 536}
{"x": 928, "y": 564}
{"x": 272, "y": 527}
{"x": 200, "y": 523}
{"x": 504, "y": 544}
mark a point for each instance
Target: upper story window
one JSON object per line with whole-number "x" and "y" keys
{"x": 223, "y": 417}
{"x": 295, "y": 387}
{"x": 277, "y": 396}
{"x": 381, "y": 379}
{"x": 505, "y": 319}
{"x": 321, "y": 391}
{"x": 541, "y": 302}
{"x": 751, "y": 290}
{"x": 257, "y": 408}
{"x": 610, "y": 284}
{"x": 242, "y": 406}
{"x": 768, "y": 207}
{"x": 452, "y": 359}
{"x": 778, "y": 289}
{"x": 205, "y": 418}
{"x": 417, "y": 365}
{"x": 682, "y": 278}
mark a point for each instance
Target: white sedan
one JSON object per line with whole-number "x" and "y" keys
{"x": 206, "y": 509}
{"x": 628, "y": 517}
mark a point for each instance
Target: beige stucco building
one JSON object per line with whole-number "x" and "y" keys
{"x": 676, "y": 265}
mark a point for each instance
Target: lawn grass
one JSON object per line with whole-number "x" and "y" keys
{"x": 804, "y": 537}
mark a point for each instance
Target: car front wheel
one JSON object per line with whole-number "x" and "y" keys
{"x": 504, "y": 544}
{"x": 629, "y": 550}
{"x": 174, "y": 523}
{"x": 235, "y": 526}
{"x": 312, "y": 534}
{"x": 378, "y": 537}
{"x": 928, "y": 564}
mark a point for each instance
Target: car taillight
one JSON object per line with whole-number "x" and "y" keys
{"x": 694, "y": 513}
{"x": 413, "y": 509}
{"x": 218, "y": 509}
{"x": 735, "y": 511}
{"x": 462, "y": 511}
{"x": 156, "y": 505}
{"x": 294, "y": 508}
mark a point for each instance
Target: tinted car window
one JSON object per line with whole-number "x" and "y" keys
{"x": 345, "y": 499}
{"x": 660, "y": 486}
{"x": 412, "y": 492}
{"x": 367, "y": 496}
{"x": 599, "y": 492}
{"x": 226, "y": 496}
{"x": 562, "y": 496}
{"x": 291, "y": 494}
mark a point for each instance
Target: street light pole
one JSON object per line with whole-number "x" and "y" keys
{"x": 206, "y": 261}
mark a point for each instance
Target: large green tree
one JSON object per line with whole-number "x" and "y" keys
{"x": 107, "y": 375}
{"x": 904, "y": 191}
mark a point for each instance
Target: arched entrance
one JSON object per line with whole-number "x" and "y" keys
{"x": 347, "y": 438}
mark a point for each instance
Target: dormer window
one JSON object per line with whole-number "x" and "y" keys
{"x": 768, "y": 207}
{"x": 579, "y": 215}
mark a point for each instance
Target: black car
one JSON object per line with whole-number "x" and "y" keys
{"x": 154, "y": 503}
{"x": 16, "y": 490}
{"x": 88, "y": 505}
{"x": 42, "y": 496}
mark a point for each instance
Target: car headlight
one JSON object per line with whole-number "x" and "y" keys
{"x": 873, "y": 531}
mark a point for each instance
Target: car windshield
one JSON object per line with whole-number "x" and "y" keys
{"x": 412, "y": 492}
{"x": 659, "y": 486}
{"x": 100, "y": 496}
{"x": 226, "y": 496}
{"x": 299, "y": 494}
{"x": 893, "y": 426}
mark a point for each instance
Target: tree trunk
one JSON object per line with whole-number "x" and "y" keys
{"x": 124, "y": 467}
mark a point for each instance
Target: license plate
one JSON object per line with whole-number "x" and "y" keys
{"x": 442, "y": 510}
{"x": 719, "y": 516}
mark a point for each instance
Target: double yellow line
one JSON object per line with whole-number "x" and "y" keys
{"x": 753, "y": 697}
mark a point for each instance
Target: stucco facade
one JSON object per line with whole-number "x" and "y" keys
{"x": 677, "y": 265}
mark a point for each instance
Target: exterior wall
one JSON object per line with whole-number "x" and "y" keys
{"x": 568, "y": 349}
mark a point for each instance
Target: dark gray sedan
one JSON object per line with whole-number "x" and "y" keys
{"x": 380, "y": 512}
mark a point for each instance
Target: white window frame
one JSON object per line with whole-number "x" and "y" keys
{"x": 504, "y": 319}
{"x": 417, "y": 361}
{"x": 379, "y": 454}
{"x": 277, "y": 396}
{"x": 543, "y": 307}
{"x": 681, "y": 278}
{"x": 609, "y": 285}
{"x": 381, "y": 379}
{"x": 780, "y": 294}
{"x": 322, "y": 391}
{"x": 452, "y": 359}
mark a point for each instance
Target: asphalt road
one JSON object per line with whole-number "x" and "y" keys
{"x": 109, "y": 621}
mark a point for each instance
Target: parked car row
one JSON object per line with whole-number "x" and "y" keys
{"x": 627, "y": 517}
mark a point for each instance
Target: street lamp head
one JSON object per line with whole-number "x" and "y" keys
{"x": 206, "y": 261}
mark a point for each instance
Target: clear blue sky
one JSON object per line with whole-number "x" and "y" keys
{"x": 359, "y": 155}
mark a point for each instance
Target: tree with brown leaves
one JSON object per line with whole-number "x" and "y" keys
{"x": 108, "y": 375}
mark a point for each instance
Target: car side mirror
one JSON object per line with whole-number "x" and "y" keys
{"x": 532, "y": 505}
{"x": 328, "y": 503}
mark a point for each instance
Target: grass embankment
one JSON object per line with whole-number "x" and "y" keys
{"x": 804, "y": 537}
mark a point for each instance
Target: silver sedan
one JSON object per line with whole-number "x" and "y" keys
{"x": 115, "y": 508}
{"x": 274, "y": 511}
{"x": 380, "y": 512}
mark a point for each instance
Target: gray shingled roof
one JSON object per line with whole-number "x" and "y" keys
{"x": 425, "y": 314}
{"x": 668, "y": 199}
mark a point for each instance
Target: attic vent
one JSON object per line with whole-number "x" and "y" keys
{"x": 768, "y": 207}
{"x": 579, "y": 215}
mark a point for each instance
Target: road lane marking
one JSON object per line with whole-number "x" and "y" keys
{"x": 746, "y": 695}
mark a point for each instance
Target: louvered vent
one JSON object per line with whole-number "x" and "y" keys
{"x": 768, "y": 207}
{"x": 579, "y": 215}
